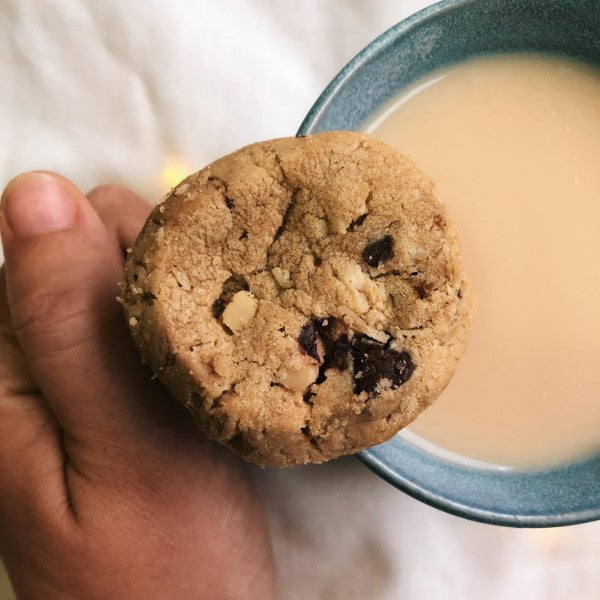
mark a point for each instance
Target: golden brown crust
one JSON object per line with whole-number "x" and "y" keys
{"x": 302, "y": 297}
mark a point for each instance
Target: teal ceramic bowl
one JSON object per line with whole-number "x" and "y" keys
{"x": 446, "y": 33}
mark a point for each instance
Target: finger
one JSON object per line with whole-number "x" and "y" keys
{"x": 62, "y": 271}
{"x": 122, "y": 212}
{"x": 31, "y": 458}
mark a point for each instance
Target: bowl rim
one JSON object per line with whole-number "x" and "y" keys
{"x": 371, "y": 457}
{"x": 377, "y": 45}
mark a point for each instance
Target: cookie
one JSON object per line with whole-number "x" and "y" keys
{"x": 302, "y": 297}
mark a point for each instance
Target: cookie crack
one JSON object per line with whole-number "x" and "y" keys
{"x": 284, "y": 221}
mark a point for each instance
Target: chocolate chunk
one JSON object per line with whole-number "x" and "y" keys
{"x": 308, "y": 340}
{"x": 357, "y": 222}
{"x": 373, "y": 362}
{"x": 321, "y": 377}
{"x": 335, "y": 344}
{"x": 378, "y": 251}
{"x": 330, "y": 330}
{"x": 338, "y": 357}
{"x": 233, "y": 285}
{"x": 229, "y": 202}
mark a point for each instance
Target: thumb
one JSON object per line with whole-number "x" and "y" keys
{"x": 62, "y": 271}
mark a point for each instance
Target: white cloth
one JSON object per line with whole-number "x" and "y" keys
{"x": 131, "y": 92}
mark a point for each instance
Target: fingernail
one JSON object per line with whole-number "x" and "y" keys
{"x": 35, "y": 203}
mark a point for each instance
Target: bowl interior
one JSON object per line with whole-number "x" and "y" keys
{"x": 446, "y": 33}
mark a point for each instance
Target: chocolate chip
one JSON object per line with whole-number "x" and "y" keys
{"x": 317, "y": 261}
{"x": 373, "y": 362}
{"x": 307, "y": 397}
{"x": 233, "y": 285}
{"x": 244, "y": 235}
{"x": 329, "y": 330}
{"x": 378, "y": 251}
{"x": 459, "y": 294}
{"x": 421, "y": 292}
{"x": 229, "y": 202}
{"x": 335, "y": 345}
{"x": 307, "y": 339}
{"x": 338, "y": 357}
{"x": 357, "y": 222}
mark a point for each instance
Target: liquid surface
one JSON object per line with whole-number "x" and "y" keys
{"x": 513, "y": 145}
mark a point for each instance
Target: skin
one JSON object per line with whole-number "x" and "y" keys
{"x": 107, "y": 490}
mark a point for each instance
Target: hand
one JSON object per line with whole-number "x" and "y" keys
{"x": 107, "y": 490}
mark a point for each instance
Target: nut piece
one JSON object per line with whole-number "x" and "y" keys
{"x": 182, "y": 279}
{"x": 321, "y": 228}
{"x": 343, "y": 148}
{"x": 220, "y": 364}
{"x": 240, "y": 310}
{"x": 359, "y": 324}
{"x": 281, "y": 276}
{"x": 298, "y": 379}
{"x": 355, "y": 282}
